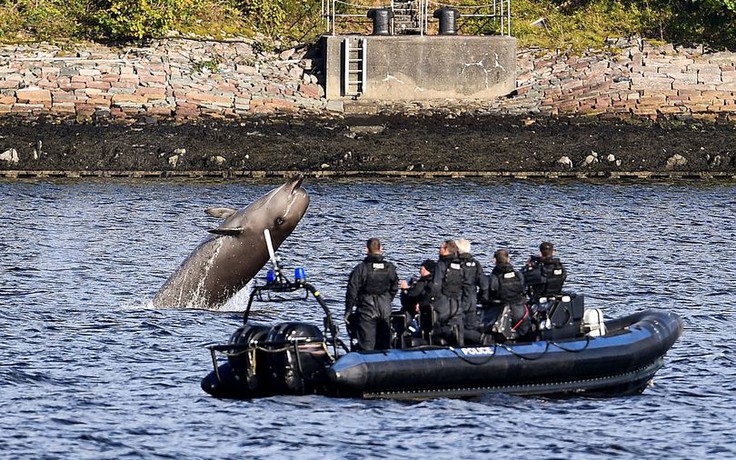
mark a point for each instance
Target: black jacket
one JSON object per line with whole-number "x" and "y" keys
{"x": 475, "y": 282}
{"x": 416, "y": 294}
{"x": 447, "y": 279}
{"x": 372, "y": 286}
{"x": 506, "y": 284}
{"x": 544, "y": 276}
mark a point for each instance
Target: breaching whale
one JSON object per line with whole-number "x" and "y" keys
{"x": 224, "y": 263}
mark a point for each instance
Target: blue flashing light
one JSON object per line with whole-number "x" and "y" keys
{"x": 270, "y": 276}
{"x": 299, "y": 275}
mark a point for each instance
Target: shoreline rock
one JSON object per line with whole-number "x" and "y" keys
{"x": 233, "y": 109}
{"x": 379, "y": 145}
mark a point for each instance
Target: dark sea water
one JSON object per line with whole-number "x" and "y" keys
{"x": 89, "y": 371}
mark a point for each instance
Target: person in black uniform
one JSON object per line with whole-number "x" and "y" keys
{"x": 507, "y": 296}
{"x": 445, "y": 293}
{"x": 544, "y": 275}
{"x": 372, "y": 286}
{"x": 413, "y": 295}
{"x": 474, "y": 281}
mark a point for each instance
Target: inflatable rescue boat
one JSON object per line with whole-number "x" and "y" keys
{"x": 574, "y": 352}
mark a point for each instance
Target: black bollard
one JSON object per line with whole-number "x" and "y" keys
{"x": 447, "y": 17}
{"x": 381, "y": 20}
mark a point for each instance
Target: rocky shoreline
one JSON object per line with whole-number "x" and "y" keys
{"x": 387, "y": 145}
{"x": 181, "y": 108}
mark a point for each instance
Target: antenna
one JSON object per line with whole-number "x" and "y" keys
{"x": 272, "y": 253}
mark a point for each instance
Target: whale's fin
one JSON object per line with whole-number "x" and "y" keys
{"x": 228, "y": 231}
{"x": 220, "y": 213}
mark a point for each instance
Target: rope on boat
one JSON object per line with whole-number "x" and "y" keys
{"x": 476, "y": 363}
{"x": 286, "y": 347}
{"x": 587, "y": 343}
{"x": 534, "y": 358}
{"x": 546, "y": 349}
{"x": 547, "y": 344}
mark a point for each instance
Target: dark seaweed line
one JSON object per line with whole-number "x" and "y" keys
{"x": 231, "y": 174}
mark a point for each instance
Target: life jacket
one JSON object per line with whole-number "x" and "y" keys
{"x": 554, "y": 275}
{"x": 471, "y": 269}
{"x": 452, "y": 283}
{"x": 378, "y": 280}
{"x": 511, "y": 289}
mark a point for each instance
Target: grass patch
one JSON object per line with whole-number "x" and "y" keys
{"x": 548, "y": 24}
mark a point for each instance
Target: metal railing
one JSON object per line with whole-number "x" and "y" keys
{"x": 350, "y": 17}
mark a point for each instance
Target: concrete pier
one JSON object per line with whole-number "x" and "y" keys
{"x": 413, "y": 67}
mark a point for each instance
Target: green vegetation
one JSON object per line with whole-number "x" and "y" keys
{"x": 553, "y": 24}
{"x": 582, "y": 23}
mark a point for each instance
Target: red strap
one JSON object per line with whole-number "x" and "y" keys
{"x": 526, "y": 313}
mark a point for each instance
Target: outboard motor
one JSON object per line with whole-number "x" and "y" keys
{"x": 249, "y": 365}
{"x": 297, "y": 358}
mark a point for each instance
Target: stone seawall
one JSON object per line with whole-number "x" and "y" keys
{"x": 183, "y": 79}
{"x": 188, "y": 80}
{"x": 630, "y": 78}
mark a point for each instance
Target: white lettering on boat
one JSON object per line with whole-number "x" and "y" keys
{"x": 477, "y": 351}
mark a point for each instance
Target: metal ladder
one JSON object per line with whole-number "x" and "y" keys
{"x": 354, "y": 66}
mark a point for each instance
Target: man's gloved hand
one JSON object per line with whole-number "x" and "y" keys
{"x": 347, "y": 316}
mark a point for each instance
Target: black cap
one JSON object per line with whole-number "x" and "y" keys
{"x": 429, "y": 264}
{"x": 546, "y": 246}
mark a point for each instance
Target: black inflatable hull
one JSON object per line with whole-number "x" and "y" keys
{"x": 621, "y": 362}
{"x": 225, "y": 384}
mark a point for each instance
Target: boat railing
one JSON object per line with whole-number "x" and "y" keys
{"x": 275, "y": 290}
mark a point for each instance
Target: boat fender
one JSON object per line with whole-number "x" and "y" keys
{"x": 593, "y": 324}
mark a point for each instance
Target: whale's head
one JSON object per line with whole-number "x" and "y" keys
{"x": 284, "y": 207}
{"x": 279, "y": 211}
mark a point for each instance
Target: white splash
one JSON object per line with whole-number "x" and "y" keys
{"x": 239, "y": 301}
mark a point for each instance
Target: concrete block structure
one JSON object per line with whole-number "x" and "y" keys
{"x": 419, "y": 67}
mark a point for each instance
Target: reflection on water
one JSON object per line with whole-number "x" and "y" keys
{"x": 89, "y": 371}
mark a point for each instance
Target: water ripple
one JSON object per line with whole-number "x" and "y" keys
{"x": 90, "y": 371}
